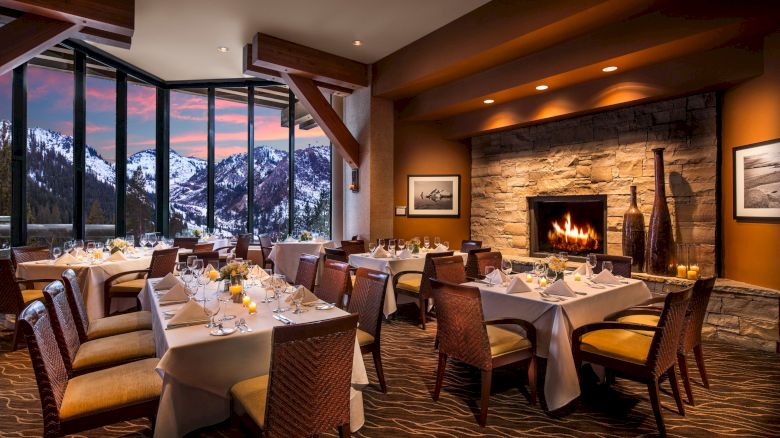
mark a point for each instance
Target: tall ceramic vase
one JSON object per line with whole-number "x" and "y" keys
{"x": 634, "y": 234}
{"x": 660, "y": 245}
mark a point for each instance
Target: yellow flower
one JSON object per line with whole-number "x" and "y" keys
{"x": 234, "y": 272}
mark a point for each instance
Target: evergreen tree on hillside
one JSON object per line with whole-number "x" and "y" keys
{"x": 139, "y": 207}
{"x": 95, "y": 215}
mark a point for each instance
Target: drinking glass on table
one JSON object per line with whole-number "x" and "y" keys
{"x": 607, "y": 266}
{"x": 592, "y": 261}
{"x": 391, "y": 246}
{"x": 67, "y": 246}
{"x": 179, "y": 268}
{"x": 371, "y": 247}
{"x": 143, "y": 241}
{"x": 381, "y": 243}
{"x": 427, "y": 242}
{"x": 401, "y": 244}
{"x": 538, "y": 269}
{"x": 280, "y": 284}
{"x": 266, "y": 284}
{"x": 191, "y": 261}
{"x": 436, "y": 241}
{"x": 56, "y": 252}
{"x": 203, "y": 280}
{"x": 222, "y": 297}
{"x": 489, "y": 270}
{"x": 297, "y": 300}
{"x": 446, "y": 245}
{"x": 551, "y": 275}
{"x": 506, "y": 266}
{"x": 130, "y": 239}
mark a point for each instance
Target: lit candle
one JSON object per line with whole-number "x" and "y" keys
{"x": 213, "y": 275}
{"x": 543, "y": 282}
{"x": 681, "y": 270}
{"x": 235, "y": 289}
{"x": 529, "y": 278}
{"x": 693, "y": 275}
{"x": 98, "y": 254}
{"x": 246, "y": 300}
{"x": 252, "y": 308}
{"x": 577, "y": 276}
{"x": 695, "y": 268}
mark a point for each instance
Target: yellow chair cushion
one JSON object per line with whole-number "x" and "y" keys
{"x": 627, "y": 345}
{"x": 364, "y": 338}
{"x": 118, "y": 324}
{"x": 114, "y": 350}
{"x": 503, "y": 341}
{"x": 112, "y": 388}
{"x": 642, "y": 319}
{"x": 129, "y": 286}
{"x": 31, "y": 295}
{"x": 250, "y": 396}
{"x": 410, "y": 283}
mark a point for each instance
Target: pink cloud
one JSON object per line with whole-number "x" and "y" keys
{"x": 239, "y": 119}
{"x": 98, "y": 128}
{"x": 100, "y": 98}
{"x": 141, "y": 102}
{"x": 54, "y": 86}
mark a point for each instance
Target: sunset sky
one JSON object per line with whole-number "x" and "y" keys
{"x": 50, "y": 100}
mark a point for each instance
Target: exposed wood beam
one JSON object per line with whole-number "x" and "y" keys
{"x": 273, "y": 53}
{"x": 114, "y": 16}
{"x": 696, "y": 73}
{"x": 325, "y": 116}
{"x": 28, "y": 36}
{"x": 302, "y": 115}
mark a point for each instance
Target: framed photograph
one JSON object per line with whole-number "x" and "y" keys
{"x": 757, "y": 182}
{"x": 433, "y": 196}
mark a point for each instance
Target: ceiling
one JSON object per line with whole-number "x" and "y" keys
{"x": 178, "y": 39}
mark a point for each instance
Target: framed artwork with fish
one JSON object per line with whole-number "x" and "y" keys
{"x": 433, "y": 195}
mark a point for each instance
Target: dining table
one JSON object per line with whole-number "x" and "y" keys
{"x": 287, "y": 254}
{"x": 198, "y": 369}
{"x": 555, "y": 318}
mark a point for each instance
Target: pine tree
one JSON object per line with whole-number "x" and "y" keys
{"x": 139, "y": 208}
{"x": 95, "y": 215}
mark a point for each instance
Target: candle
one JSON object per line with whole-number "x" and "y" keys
{"x": 577, "y": 276}
{"x": 245, "y": 301}
{"x": 213, "y": 275}
{"x": 543, "y": 282}
{"x": 695, "y": 268}
{"x": 681, "y": 270}
{"x": 693, "y": 275}
{"x": 529, "y": 278}
{"x": 98, "y": 254}
{"x": 235, "y": 289}
{"x": 252, "y": 308}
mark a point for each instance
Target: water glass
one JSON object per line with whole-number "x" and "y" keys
{"x": 606, "y": 265}
{"x": 401, "y": 244}
{"x": 191, "y": 261}
{"x": 436, "y": 241}
{"x": 280, "y": 284}
{"x": 551, "y": 275}
{"x": 506, "y": 266}
{"x": 427, "y": 242}
{"x": 179, "y": 268}
{"x": 56, "y": 252}
{"x": 371, "y": 247}
{"x": 297, "y": 300}
{"x": 391, "y": 245}
{"x": 592, "y": 261}
{"x": 446, "y": 245}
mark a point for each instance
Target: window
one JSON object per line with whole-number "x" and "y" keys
{"x": 189, "y": 149}
{"x": 231, "y": 166}
{"x": 6, "y": 81}
{"x": 312, "y": 177}
{"x": 271, "y": 191}
{"x": 141, "y": 162}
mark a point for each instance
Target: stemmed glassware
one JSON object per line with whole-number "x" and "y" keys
{"x": 144, "y": 240}
{"x": 225, "y": 295}
{"x": 427, "y": 242}
{"x": 130, "y": 239}
{"x": 56, "y": 252}
{"x": 539, "y": 270}
{"x": 280, "y": 284}
{"x": 606, "y": 265}
{"x": 221, "y": 293}
{"x": 297, "y": 300}
{"x": 436, "y": 241}
{"x": 446, "y": 245}
{"x": 371, "y": 247}
{"x": 489, "y": 270}
{"x": 506, "y": 266}
{"x": 391, "y": 246}
{"x": 203, "y": 281}
{"x": 401, "y": 244}
{"x": 592, "y": 261}
{"x": 267, "y": 284}
{"x": 551, "y": 275}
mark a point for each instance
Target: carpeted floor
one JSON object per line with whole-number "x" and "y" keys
{"x": 743, "y": 400}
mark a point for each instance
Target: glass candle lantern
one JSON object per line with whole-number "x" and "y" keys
{"x": 693, "y": 263}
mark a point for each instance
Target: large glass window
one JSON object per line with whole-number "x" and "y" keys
{"x": 312, "y": 177}
{"x": 188, "y": 155}
{"x": 50, "y": 91}
{"x": 271, "y": 191}
{"x": 231, "y": 167}
{"x": 141, "y": 163}
{"x": 6, "y": 81}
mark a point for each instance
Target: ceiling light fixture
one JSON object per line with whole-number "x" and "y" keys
{"x": 608, "y": 69}
{"x": 357, "y": 43}
{"x": 542, "y": 87}
{"x": 488, "y": 101}
{"x": 222, "y": 49}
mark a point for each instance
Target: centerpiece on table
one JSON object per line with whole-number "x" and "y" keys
{"x": 557, "y": 265}
{"x": 118, "y": 245}
{"x": 414, "y": 245}
{"x": 234, "y": 274}
{"x": 306, "y": 236}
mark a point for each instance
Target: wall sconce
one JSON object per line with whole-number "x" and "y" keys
{"x": 355, "y": 184}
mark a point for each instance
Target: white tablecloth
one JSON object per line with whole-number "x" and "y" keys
{"x": 198, "y": 370}
{"x": 555, "y": 322}
{"x": 218, "y": 243}
{"x": 286, "y": 255}
{"x": 91, "y": 279}
{"x": 393, "y": 266}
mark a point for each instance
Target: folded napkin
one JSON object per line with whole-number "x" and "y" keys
{"x": 440, "y": 248}
{"x": 178, "y": 293}
{"x": 605, "y": 277}
{"x": 258, "y": 272}
{"x": 584, "y": 270}
{"x": 160, "y": 246}
{"x": 168, "y": 282}
{"x": 517, "y": 285}
{"x": 116, "y": 257}
{"x": 79, "y": 252}
{"x": 190, "y": 313}
{"x": 405, "y": 254}
{"x": 319, "y": 239}
{"x": 307, "y": 296}
{"x": 560, "y": 288}
{"x": 497, "y": 277}
{"x": 380, "y": 252}
{"x": 66, "y": 259}
{"x": 290, "y": 239}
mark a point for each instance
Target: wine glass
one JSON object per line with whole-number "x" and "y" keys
{"x": 203, "y": 280}
{"x": 488, "y": 271}
{"x": 267, "y": 284}
{"x": 297, "y": 300}
{"x": 427, "y": 242}
{"x": 211, "y": 312}
{"x": 191, "y": 261}
{"x": 436, "y": 242}
{"x": 152, "y": 239}
{"x": 67, "y": 246}
{"x": 391, "y": 245}
{"x": 551, "y": 275}
{"x": 606, "y": 265}
{"x": 592, "y": 261}
{"x": 144, "y": 240}
{"x": 401, "y": 244}
{"x": 130, "y": 239}
{"x": 56, "y": 252}
{"x": 279, "y": 283}
{"x": 179, "y": 269}
{"x": 506, "y": 266}
{"x": 381, "y": 243}
{"x": 371, "y": 247}
{"x": 446, "y": 245}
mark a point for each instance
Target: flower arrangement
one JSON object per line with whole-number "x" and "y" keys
{"x": 118, "y": 245}
{"x": 414, "y": 245}
{"x": 234, "y": 269}
{"x": 197, "y": 233}
{"x": 557, "y": 265}
{"x": 305, "y": 235}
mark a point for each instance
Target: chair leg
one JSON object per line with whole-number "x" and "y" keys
{"x": 439, "y": 375}
{"x": 17, "y": 330}
{"x": 379, "y": 372}
{"x": 672, "y": 374}
{"x": 344, "y": 430}
{"x": 422, "y": 304}
{"x": 699, "y": 354}
{"x": 487, "y": 376}
{"x": 532, "y": 379}
{"x": 652, "y": 388}
{"x": 682, "y": 362}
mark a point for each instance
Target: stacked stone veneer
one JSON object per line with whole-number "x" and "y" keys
{"x": 603, "y": 153}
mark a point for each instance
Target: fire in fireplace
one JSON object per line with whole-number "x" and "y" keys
{"x": 574, "y": 224}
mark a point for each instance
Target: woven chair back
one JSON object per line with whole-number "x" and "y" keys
{"x": 185, "y": 242}
{"x": 62, "y": 322}
{"x": 336, "y": 254}
{"x": 697, "y": 310}
{"x": 460, "y": 329}
{"x": 620, "y": 265}
{"x": 31, "y": 253}
{"x": 472, "y": 269}
{"x": 307, "y": 271}
{"x": 334, "y": 283}
{"x": 430, "y": 272}
{"x": 76, "y": 303}
{"x": 485, "y": 259}
{"x": 368, "y": 300}
{"x": 353, "y": 247}
{"x": 203, "y": 247}
{"x": 11, "y": 301}
{"x": 242, "y": 246}
{"x": 163, "y": 261}
{"x": 663, "y": 349}
{"x": 449, "y": 269}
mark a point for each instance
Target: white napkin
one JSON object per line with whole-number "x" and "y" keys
{"x": 168, "y": 282}
{"x": 190, "y": 313}
{"x": 66, "y": 259}
{"x": 497, "y": 277}
{"x": 308, "y": 296}
{"x": 79, "y": 252}
{"x": 160, "y": 246}
{"x": 584, "y": 270}
{"x": 560, "y": 288}
{"x": 290, "y": 239}
{"x": 405, "y": 254}
{"x": 116, "y": 257}
{"x": 379, "y": 252}
{"x": 440, "y": 248}
{"x": 208, "y": 269}
{"x": 319, "y": 239}
{"x": 258, "y": 272}
{"x": 517, "y": 285}
{"x": 605, "y": 277}
{"x": 178, "y": 293}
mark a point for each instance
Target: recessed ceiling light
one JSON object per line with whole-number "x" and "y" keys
{"x": 488, "y": 101}
{"x": 609, "y": 69}
{"x": 357, "y": 43}
{"x": 542, "y": 87}
{"x": 222, "y": 49}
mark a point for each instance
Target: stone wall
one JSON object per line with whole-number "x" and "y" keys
{"x": 603, "y": 153}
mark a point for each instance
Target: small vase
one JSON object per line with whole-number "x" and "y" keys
{"x": 660, "y": 245}
{"x": 634, "y": 234}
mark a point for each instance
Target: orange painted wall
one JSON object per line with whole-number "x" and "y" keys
{"x": 751, "y": 113}
{"x": 421, "y": 149}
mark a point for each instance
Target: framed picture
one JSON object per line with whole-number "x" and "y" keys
{"x": 433, "y": 196}
{"x": 757, "y": 182}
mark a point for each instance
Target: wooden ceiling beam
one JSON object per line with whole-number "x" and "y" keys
{"x": 115, "y": 16}
{"x": 28, "y": 36}
{"x": 325, "y": 116}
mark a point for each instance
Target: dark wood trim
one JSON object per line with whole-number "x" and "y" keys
{"x": 28, "y": 36}
{"x": 112, "y": 61}
{"x": 116, "y": 16}
{"x": 162, "y": 173}
{"x": 19, "y": 157}
{"x": 211, "y": 161}
{"x": 291, "y": 165}
{"x": 221, "y": 83}
{"x": 120, "y": 223}
{"x": 250, "y": 157}
{"x": 79, "y": 143}
{"x": 718, "y": 183}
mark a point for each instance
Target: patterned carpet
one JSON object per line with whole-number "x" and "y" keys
{"x": 744, "y": 399}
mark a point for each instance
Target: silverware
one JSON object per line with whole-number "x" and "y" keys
{"x": 170, "y": 303}
{"x": 242, "y": 327}
{"x": 185, "y": 324}
{"x": 281, "y": 319}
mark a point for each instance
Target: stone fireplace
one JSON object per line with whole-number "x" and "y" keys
{"x": 573, "y": 224}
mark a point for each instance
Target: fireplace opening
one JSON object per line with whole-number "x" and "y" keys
{"x": 575, "y": 224}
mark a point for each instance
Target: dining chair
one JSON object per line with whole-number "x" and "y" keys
{"x": 15, "y": 294}
{"x": 621, "y": 265}
{"x": 118, "y": 286}
{"x": 185, "y": 242}
{"x": 468, "y": 245}
{"x": 81, "y": 357}
{"x": 336, "y": 254}
{"x": 241, "y": 248}
{"x": 100, "y": 327}
{"x": 307, "y": 271}
{"x": 200, "y": 255}
{"x": 335, "y": 283}
{"x": 485, "y": 259}
{"x": 203, "y": 247}
{"x": 638, "y": 352}
{"x": 353, "y": 246}
{"x": 449, "y": 269}
{"x": 266, "y": 245}
{"x": 464, "y": 335}
{"x": 416, "y": 284}
{"x": 31, "y": 253}
{"x": 690, "y": 339}
{"x": 472, "y": 268}
{"x": 307, "y": 389}
{"x": 368, "y": 300}
{"x": 74, "y": 404}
